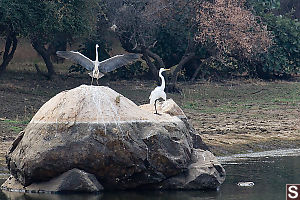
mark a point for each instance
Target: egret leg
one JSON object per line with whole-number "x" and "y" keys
{"x": 92, "y": 81}
{"x": 97, "y": 82}
{"x": 155, "y": 107}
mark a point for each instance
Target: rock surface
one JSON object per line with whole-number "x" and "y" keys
{"x": 166, "y": 107}
{"x": 74, "y": 180}
{"x": 95, "y": 129}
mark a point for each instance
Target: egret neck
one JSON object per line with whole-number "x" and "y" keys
{"x": 96, "y": 70}
{"x": 97, "y": 53}
{"x": 163, "y": 83}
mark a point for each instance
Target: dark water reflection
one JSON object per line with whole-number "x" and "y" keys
{"x": 270, "y": 174}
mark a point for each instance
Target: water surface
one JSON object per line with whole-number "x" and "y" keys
{"x": 269, "y": 171}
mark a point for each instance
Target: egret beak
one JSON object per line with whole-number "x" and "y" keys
{"x": 167, "y": 70}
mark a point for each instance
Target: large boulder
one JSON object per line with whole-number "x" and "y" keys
{"x": 99, "y": 131}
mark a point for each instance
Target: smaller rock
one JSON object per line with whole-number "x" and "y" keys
{"x": 165, "y": 107}
{"x": 171, "y": 108}
{"x": 74, "y": 180}
{"x": 204, "y": 173}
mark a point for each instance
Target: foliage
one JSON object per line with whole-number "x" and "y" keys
{"x": 169, "y": 46}
{"x": 204, "y": 37}
{"x": 224, "y": 36}
{"x": 283, "y": 57}
{"x": 48, "y": 24}
{"x": 13, "y": 15}
{"x": 232, "y": 29}
{"x": 46, "y": 20}
{"x": 135, "y": 22}
{"x": 51, "y": 19}
{"x": 263, "y": 6}
{"x": 190, "y": 35}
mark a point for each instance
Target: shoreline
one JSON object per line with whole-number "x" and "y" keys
{"x": 224, "y": 147}
{"x": 267, "y": 154}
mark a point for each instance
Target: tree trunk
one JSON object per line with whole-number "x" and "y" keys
{"x": 147, "y": 54}
{"x": 46, "y": 55}
{"x": 156, "y": 57}
{"x": 188, "y": 55}
{"x": 10, "y": 48}
{"x": 173, "y": 87}
{"x": 199, "y": 68}
{"x": 151, "y": 66}
{"x": 180, "y": 65}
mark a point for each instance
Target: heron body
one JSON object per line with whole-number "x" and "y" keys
{"x": 159, "y": 91}
{"x": 99, "y": 69}
{"x": 96, "y": 73}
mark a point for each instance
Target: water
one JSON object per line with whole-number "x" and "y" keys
{"x": 269, "y": 174}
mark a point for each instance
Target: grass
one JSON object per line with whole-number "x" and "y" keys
{"x": 23, "y": 122}
{"x": 191, "y": 105}
{"x": 228, "y": 99}
{"x": 14, "y": 126}
{"x": 16, "y": 129}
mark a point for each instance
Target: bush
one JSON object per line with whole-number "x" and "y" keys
{"x": 284, "y": 56}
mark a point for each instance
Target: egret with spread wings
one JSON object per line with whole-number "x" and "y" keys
{"x": 99, "y": 69}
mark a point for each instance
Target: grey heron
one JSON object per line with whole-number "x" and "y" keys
{"x": 159, "y": 91}
{"x": 99, "y": 69}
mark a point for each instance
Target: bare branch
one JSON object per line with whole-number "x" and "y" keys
{"x": 155, "y": 57}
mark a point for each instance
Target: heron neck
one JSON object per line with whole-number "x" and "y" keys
{"x": 163, "y": 84}
{"x": 96, "y": 53}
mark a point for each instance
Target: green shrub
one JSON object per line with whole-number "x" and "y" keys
{"x": 284, "y": 56}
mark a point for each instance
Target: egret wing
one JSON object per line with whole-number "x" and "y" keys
{"x": 117, "y": 61}
{"x": 77, "y": 58}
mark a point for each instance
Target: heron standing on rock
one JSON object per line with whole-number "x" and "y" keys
{"x": 99, "y": 69}
{"x": 159, "y": 91}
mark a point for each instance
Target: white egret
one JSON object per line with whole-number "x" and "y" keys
{"x": 99, "y": 69}
{"x": 159, "y": 92}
